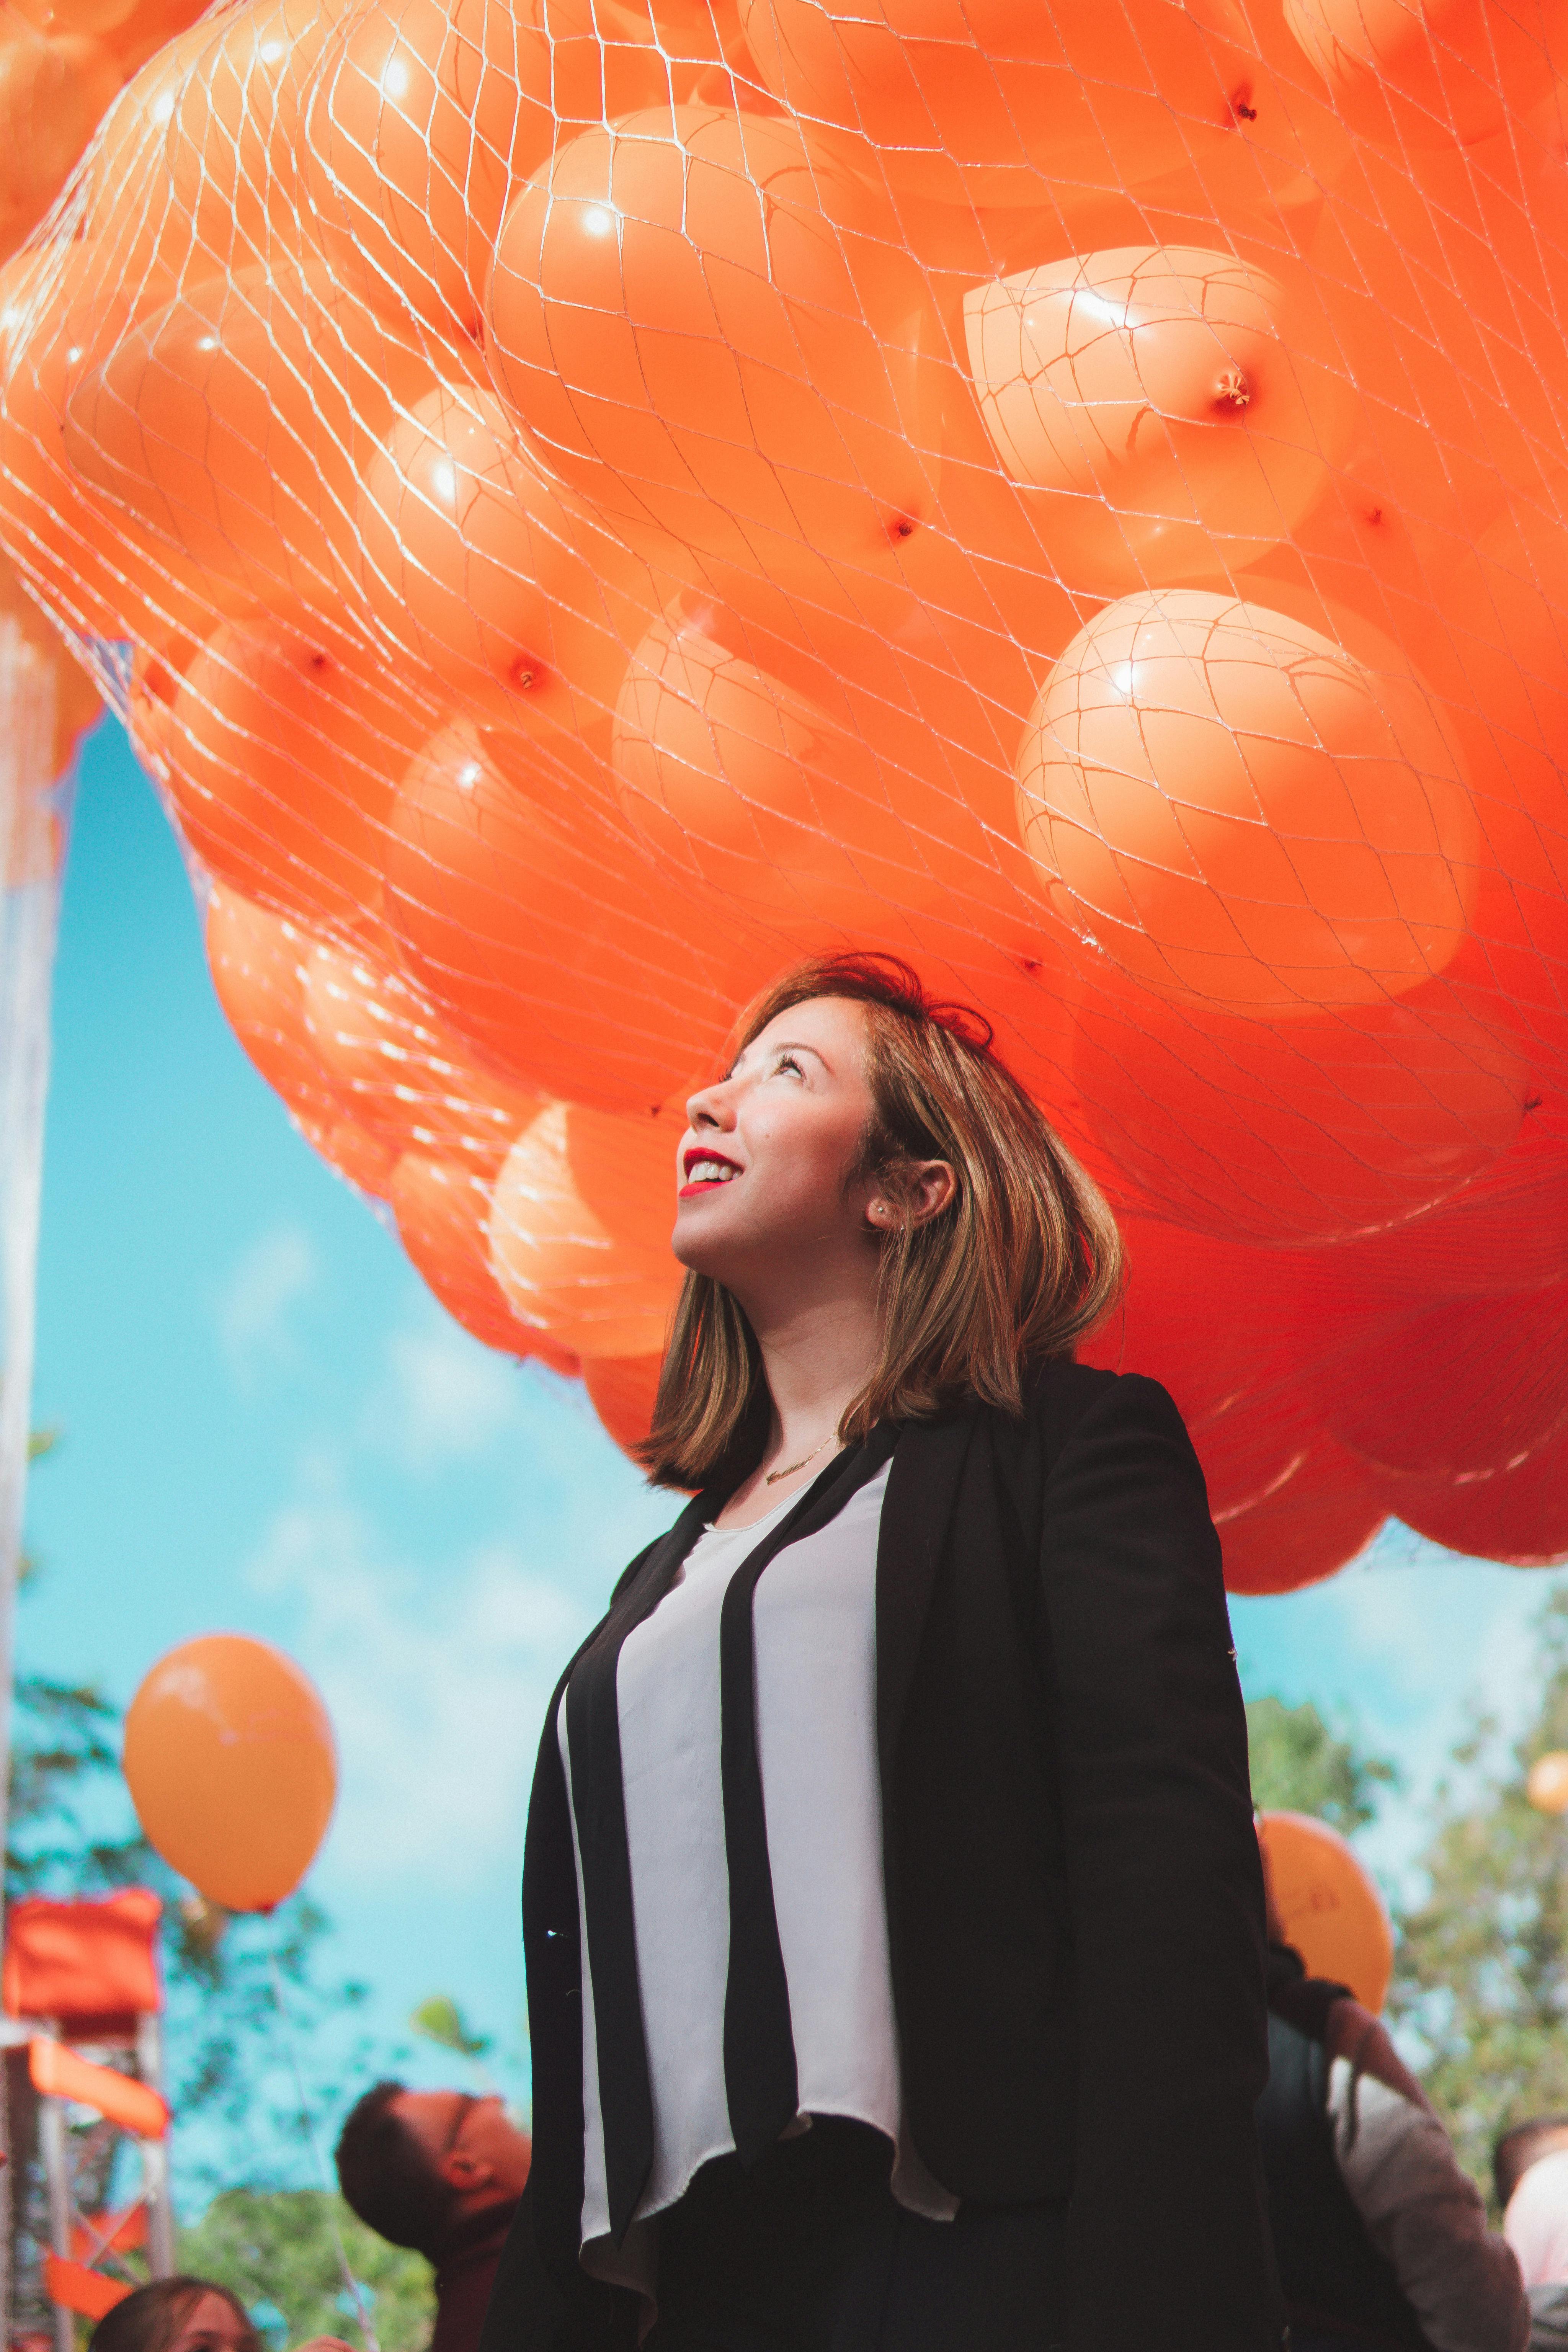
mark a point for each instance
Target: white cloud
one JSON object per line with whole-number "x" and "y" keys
{"x": 437, "y": 1698}
{"x": 447, "y": 1398}
{"x": 276, "y": 1272}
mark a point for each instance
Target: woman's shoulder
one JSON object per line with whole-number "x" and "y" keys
{"x": 1061, "y": 1393}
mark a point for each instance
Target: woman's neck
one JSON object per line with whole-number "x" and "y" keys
{"x": 816, "y": 1361}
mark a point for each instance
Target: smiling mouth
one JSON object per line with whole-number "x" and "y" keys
{"x": 704, "y": 1170}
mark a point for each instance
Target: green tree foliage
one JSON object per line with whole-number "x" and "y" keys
{"x": 276, "y": 2250}
{"x": 1481, "y": 1970}
{"x": 1300, "y": 1766}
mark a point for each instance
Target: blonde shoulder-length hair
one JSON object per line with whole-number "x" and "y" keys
{"x": 1020, "y": 1265}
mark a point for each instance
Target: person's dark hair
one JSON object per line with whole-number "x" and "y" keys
{"x": 1023, "y": 1261}
{"x": 1519, "y": 2147}
{"x": 150, "y": 2319}
{"x": 389, "y": 2176}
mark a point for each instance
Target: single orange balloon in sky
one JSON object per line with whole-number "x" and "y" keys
{"x": 231, "y": 1766}
{"x": 1233, "y": 810}
{"x": 1327, "y": 1905}
{"x": 1546, "y": 1785}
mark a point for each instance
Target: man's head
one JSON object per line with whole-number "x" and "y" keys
{"x": 415, "y": 2164}
{"x": 1525, "y": 2145}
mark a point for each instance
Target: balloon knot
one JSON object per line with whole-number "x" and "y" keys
{"x": 1232, "y": 390}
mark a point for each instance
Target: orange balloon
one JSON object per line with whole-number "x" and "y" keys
{"x": 232, "y": 196}
{"x": 1518, "y": 1514}
{"x": 1328, "y": 1905}
{"x": 622, "y": 1389}
{"x": 421, "y": 115}
{"x": 232, "y": 1769}
{"x": 578, "y": 1206}
{"x": 1315, "y": 1522}
{"x": 1546, "y": 1784}
{"x": 504, "y": 590}
{"x": 545, "y": 935}
{"x": 360, "y": 1157}
{"x": 1312, "y": 1132}
{"x": 401, "y": 1074}
{"x": 282, "y": 762}
{"x": 95, "y": 578}
{"x": 729, "y": 352}
{"x": 443, "y": 1211}
{"x": 52, "y": 92}
{"x": 220, "y": 425}
{"x": 1467, "y": 1389}
{"x": 740, "y": 779}
{"x": 1233, "y": 810}
{"x": 257, "y": 962}
{"x": 1159, "y": 397}
{"x": 989, "y": 105}
{"x": 1448, "y": 71}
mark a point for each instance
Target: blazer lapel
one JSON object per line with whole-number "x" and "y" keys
{"x": 923, "y": 1487}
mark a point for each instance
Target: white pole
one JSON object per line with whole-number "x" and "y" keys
{"x": 32, "y": 841}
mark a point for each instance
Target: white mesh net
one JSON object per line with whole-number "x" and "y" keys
{"x": 583, "y": 503}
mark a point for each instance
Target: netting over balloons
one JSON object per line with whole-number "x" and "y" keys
{"x": 585, "y": 502}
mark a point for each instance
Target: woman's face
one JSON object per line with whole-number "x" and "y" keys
{"x": 213, "y": 2324}
{"x": 760, "y": 1177}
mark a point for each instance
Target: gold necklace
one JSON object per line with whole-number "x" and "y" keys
{"x": 772, "y": 1477}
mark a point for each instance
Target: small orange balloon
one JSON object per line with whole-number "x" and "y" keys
{"x": 232, "y": 1768}
{"x": 1327, "y": 1905}
{"x": 443, "y": 1211}
{"x": 1158, "y": 396}
{"x": 52, "y": 93}
{"x": 421, "y": 115}
{"x": 727, "y": 350}
{"x": 987, "y": 105}
{"x": 1445, "y": 72}
{"x": 545, "y": 934}
{"x": 402, "y": 1075}
{"x": 220, "y": 426}
{"x": 1547, "y": 1785}
{"x": 580, "y": 1231}
{"x": 281, "y": 760}
{"x": 257, "y": 962}
{"x": 623, "y": 1389}
{"x": 505, "y": 591}
{"x": 1236, "y": 812}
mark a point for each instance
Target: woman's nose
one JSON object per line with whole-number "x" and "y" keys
{"x": 712, "y": 1106}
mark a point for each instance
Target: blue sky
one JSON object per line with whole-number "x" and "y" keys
{"x": 271, "y": 1427}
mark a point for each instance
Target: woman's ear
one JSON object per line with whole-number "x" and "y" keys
{"x": 931, "y": 1190}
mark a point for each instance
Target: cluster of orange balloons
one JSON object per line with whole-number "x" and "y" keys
{"x": 588, "y": 501}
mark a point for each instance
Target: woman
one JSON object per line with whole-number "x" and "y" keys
{"x": 177, "y": 2315}
{"x": 893, "y": 1919}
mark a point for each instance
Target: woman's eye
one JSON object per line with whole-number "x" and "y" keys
{"x": 788, "y": 1062}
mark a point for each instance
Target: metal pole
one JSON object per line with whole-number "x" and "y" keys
{"x": 32, "y": 836}
{"x": 155, "y": 2169}
{"x": 55, "y": 2150}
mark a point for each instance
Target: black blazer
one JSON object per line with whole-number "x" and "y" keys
{"x": 1074, "y": 1897}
